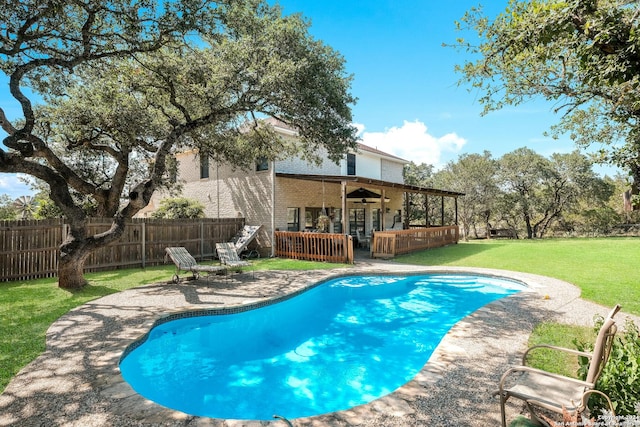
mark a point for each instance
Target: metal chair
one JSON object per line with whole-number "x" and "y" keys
{"x": 538, "y": 388}
{"x": 185, "y": 262}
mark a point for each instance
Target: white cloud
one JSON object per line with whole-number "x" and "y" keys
{"x": 11, "y": 185}
{"x": 413, "y": 142}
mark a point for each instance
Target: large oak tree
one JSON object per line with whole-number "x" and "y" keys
{"x": 583, "y": 55}
{"x": 109, "y": 90}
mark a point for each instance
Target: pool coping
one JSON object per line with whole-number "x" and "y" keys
{"x": 76, "y": 381}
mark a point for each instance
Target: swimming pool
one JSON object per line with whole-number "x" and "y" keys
{"x": 343, "y": 343}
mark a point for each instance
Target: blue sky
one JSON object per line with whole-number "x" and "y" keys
{"x": 409, "y": 102}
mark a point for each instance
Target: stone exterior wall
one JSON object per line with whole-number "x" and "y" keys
{"x": 229, "y": 192}
{"x": 300, "y": 166}
{"x": 391, "y": 171}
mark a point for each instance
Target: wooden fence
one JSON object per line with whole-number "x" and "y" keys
{"x": 327, "y": 247}
{"x": 387, "y": 244}
{"x": 30, "y": 249}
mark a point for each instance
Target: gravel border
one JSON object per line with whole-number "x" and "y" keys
{"x": 76, "y": 381}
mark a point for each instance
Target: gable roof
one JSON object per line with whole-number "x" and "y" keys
{"x": 381, "y": 153}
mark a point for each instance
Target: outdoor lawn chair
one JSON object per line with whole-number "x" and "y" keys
{"x": 245, "y": 236}
{"x": 229, "y": 257}
{"x": 538, "y": 388}
{"x": 363, "y": 241}
{"x": 185, "y": 262}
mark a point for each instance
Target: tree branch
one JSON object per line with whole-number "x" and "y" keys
{"x": 6, "y": 124}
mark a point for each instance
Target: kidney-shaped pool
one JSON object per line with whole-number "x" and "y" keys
{"x": 343, "y": 343}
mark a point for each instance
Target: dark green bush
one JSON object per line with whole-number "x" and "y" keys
{"x": 179, "y": 207}
{"x": 620, "y": 378}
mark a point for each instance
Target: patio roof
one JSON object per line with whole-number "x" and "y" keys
{"x": 361, "y": 181}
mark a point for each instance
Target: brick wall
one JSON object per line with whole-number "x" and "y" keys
{"x": 391, "y": 171}
{"x": 300, "y": 166}
{"x": 229, "y": 193}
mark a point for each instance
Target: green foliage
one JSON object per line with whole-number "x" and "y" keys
{"x": 525, "y": 191}
{"x": 475, "y": 175}
{"x": 109, "y": 95}
{"x": 420, "y": 175}
{"x": 620, "y": 378}
{"x": 584, "y": 56}
{"x": 47, "y": 209}
{"x": 7, "y": 207}
{"x": 179, "y": 207}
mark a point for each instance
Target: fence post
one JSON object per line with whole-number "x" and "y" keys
{"x": 201, "y": 239}
{"x": 143, "y": 237}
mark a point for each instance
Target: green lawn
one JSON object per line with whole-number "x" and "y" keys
{"x": 28, "y": 308}
{"x": 605, "y": 270}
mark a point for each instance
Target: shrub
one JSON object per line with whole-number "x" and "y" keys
{"x": 179, "y": 208}
{"x": 620, "y": 378}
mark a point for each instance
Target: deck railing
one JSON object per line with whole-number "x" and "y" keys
{"x": 327, "y": 247}
{"x": 387, "y": 244}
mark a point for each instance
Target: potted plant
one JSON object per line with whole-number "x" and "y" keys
{"x": 323, "y": 223}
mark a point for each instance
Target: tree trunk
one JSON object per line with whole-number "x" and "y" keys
{"x": 635, "y": 187}
{"x": 527, "y": 221}
{"x": 71, "y": 272}
{"x": 73, "y": 253}
{"x": 77, "y": 247}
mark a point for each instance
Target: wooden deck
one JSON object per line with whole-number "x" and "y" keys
{"x": 387, "y": 244}
{"x": 338, "y": 248}
{"x": 326, "y": 247}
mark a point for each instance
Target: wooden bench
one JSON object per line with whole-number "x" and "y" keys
{"x": 507, "y": 233}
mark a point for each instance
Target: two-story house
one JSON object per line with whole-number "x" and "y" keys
{"x": 363, "y": 193}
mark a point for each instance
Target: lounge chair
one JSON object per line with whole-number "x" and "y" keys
{"x": 538, "y": 388}
{"x": 229, "y": 257}
{"x": 245, "y": 236}
{"x": 185, "y": 262}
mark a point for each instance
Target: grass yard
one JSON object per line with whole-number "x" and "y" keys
{"x": 605, "y": 270}
{"x": 28, "y": 308}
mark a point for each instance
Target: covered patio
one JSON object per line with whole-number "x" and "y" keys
{"x": 377, "y": 214}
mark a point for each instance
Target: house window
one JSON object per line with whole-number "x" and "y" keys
{"x": 356, "y": 221}
{"x": 262, "y": 164}
{"x": 293, "y": 219}
{"x": 204, "y": 167}
{"x": 375, "y": 220}
{"x": 351, "y": 164}
{"x": 337, "y": 220}
{"x": 311, "y": 218}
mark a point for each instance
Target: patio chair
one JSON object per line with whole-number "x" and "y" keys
{"x": 185, "y": 262}
{"x": 229, "y": 257}
{"x": 363, "y": 240}
{"x": 245, "y": 236}
{"x": 538, "y": 388}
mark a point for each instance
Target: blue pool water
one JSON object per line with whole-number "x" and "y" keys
{"x": 345, "y": 342}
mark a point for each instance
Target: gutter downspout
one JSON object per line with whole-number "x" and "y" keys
{"x": 273, "y": 208}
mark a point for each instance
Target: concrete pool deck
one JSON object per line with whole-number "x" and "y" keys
{"x": 77, "y": 382}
